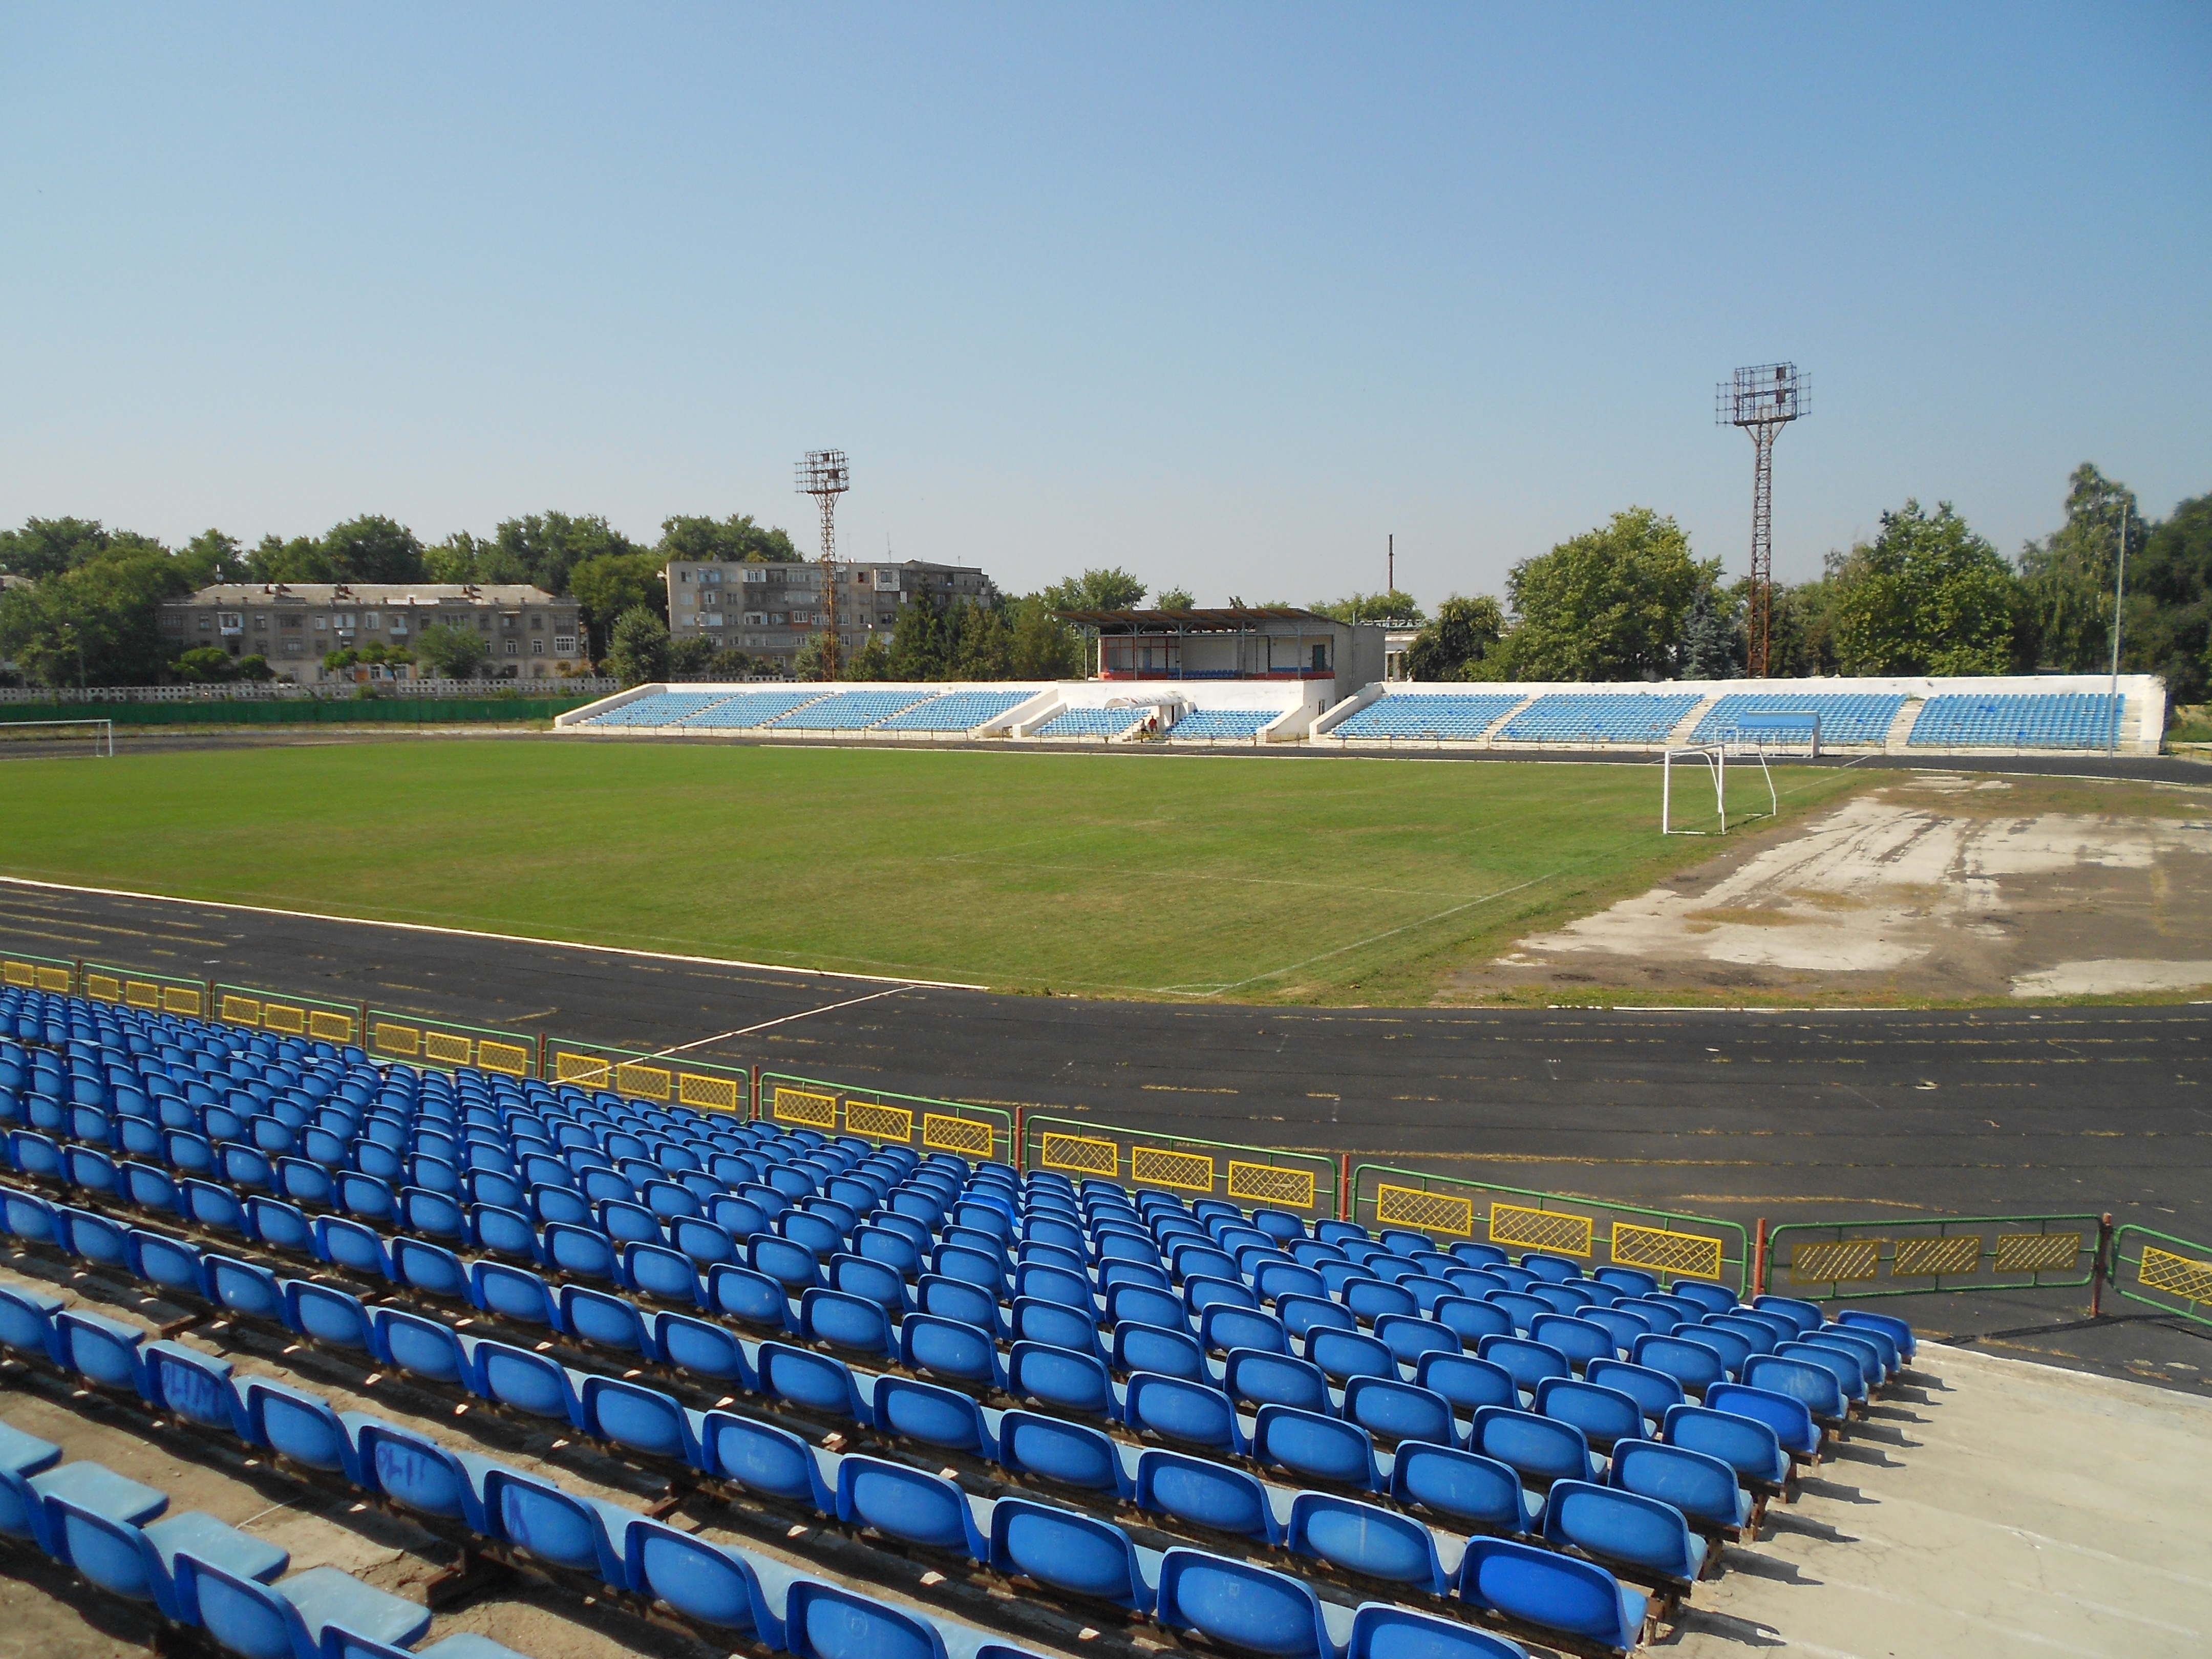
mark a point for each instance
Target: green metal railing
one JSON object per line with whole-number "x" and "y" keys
{"x": 1829, "y": 1260}
{"x": 2174, "y": 1274}
{"x": 887, "y": 1117}
{"x": 1307, "y": 1184}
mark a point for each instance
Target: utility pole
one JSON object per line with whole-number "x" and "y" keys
{"x": 1762, "y": 400}
{"x": 1390, "y": 576}
{"x": 2120, "y": 592}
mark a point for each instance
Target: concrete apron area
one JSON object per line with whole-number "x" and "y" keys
{"x": 1998, "y": 1508}
{"x": 1941, "y": 884}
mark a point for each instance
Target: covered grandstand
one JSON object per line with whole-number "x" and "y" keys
{"x": 2043, "y": 715}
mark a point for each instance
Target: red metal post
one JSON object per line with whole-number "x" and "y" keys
{"x": 1020, "y": 1160}
{"x": 2101, "y": 1268}
{"x": 1758, "y": 1260}
{"x": 540, "y": 1056}
{"x": 1343, "y": 1186}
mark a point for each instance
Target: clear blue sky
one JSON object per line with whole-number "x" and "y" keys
{"x": 1221, "y": 293}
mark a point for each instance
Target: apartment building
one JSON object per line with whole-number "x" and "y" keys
{"x": 530, "y": 634}
{"x": 769, "y": 609}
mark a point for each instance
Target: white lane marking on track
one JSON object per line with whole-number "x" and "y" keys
{"x": 784, "y": 1019}
{"x": 903, "y": 982}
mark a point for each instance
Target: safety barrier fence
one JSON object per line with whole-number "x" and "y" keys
{"x": 1663, "y": 1241}
{"x": 1823, "y": 1261}
{"x": 887, "y": 1118}
{"x": 310, "y": 1018}
{"x": 1305, "y": 1183}
{"x": 671, "y": 1079}
{"x": 2160, "y": 1271}
{"x": 441, "y": 1042}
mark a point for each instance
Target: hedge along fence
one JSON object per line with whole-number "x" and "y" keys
{"x": 1664, "y": 1241}
{"x": 887, "y": 1117}
{"x": 304, "y": 711}
{"x": 1305, "y": 1183}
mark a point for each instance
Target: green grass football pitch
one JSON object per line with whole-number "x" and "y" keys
{"x": 1334, "y": 880}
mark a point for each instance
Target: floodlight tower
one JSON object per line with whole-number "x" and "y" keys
{"x": 824, "y": 475}
{"x": 1762, "y": 400}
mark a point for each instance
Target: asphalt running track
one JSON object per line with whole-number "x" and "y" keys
{"x": 1790, "y": 1115}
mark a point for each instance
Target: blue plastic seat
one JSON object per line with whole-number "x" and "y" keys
{"x": 1466, "y": 1491}
{"x": 824, "y": 1621}
{"x": 503, "y": 1232}
{"x": 933, "y": 1415}
{"x": 1369, "y": 1299}
{"x": 1381, "y": 1631}
{"x": 1553, "y": 1592}
{"x": 244, "y": 1287}
{"x": 1074, "y": 1553}
{"x": 1849, "y": 1375}
{"x": 1069, "y": 1454}
{"x": 1343, "y": 1355}
{"x": 1060, "y": 1377}
{"x": 1181, "y": 1412}
{"x": 1409, "y": 1336}
{"x": 424, "y": 1347}
{"x": 526, "y": 1381}
{"x": 1710, "y": 1297}
{"x": 1639, "y": 1537}
{"x": 1898, "y": 1331}
{"x": 583, "y": 1535}
{"x": 289, "y": 1620}
{"x": 1316, "y": 1448}
{"x": 1604, "y": 1415}
{"x": 814, "y": 1380}
{"x": 1654, "y": 1391}
{"x": 1225, "y": 1325}
{"x": 1145, "y": 1304}
{"x": 1392, "y": 1410}
{"x": 1696, "y": 1365}
{"x": 323, "y": 1315}
{"x": 1527, "y": 1363}
{"x": 1579, "y": 1340}
{"x": 1468, "y": 1382}
{"x": 1364, "y": 1539}
{"x": 1866, "y": 1349}
{"x": 662, "y": 1274}
{"x": 908, "y": 1504}
{"x": 1141, "y": 1347}
{"x": 583, "y": 1251}
{"x": 170, "y": 1263}
{"x": 880, "y": 1282}
{"x": 1471, "y": 1319}
{"x": 1542, "y": 1450}
{"x": 767, "y": 1459}
{"x": 699, "y": 1579}
{"x": 299, "y": 1426}
{"x": 1054, "y": 1325}
{"x": 417, "y": 1473}
{"x": 949, "y": 1348}
{"x": 851, "y": 1324}
{"x": 1302, "y": 1315}
{"x": 641, "y": 1420}
{"x": 193, "y": 1386}
{"x": 1269, "y": 1378}
{"x": 1202, "y": 1492}
{"x": 1703, "y": 1486}
{"x": 141, "y": 1564}
{"x": 1246, "y": 1607}
{"x": 104, "y": 1352}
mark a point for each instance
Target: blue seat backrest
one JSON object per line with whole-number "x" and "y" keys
{"x": 1464, "y": 1490}
{"x": 1391, "y": 1410}
{"x": 1204, "y": 1493}
{"x": 1070, "y": 1454}
{"x": 1550, "y": 1591}
{"x": 1074, "y": 1553}
{"x": 1542, "y": 1450}
{"x": 1364, "y": 1539}
{"x": 1242, "y": 1606}
{"x": 1317, "y": 1447}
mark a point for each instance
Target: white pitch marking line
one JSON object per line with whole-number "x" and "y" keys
{"x": 803, "y": 1013}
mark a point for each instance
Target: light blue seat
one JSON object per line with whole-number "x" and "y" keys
{"x": 244, "y": 1287}
{"x": 1551, "y": 1593}
{"x": 1696, "y": 1365}
{"x": 1392, "y": 1410}
{"x": 289, "y": 1620}
{"x": 1654, "y": 1391}
{"x": 701, "y": 1349}
{"x": 1733, "y": 1346}
{"x": 342, "y": 1242}
{"x": 1316, "y": 1448}
{"x": 1071, "y": 1455}
{"x": 949, "y": 1348}
{"x": 661, "y": 1273}
{"x": 933, "y": 1415}
{"x": 1542, "y": 1450}
{"x": 430, "y": 1268}
{"x": 699, "y": 1579}
{"x": 423, "y": 1347}
{"x": 1381, "y": 1629}
{"x": 1640, "y": 1537}
{"x": 1369, "y": 1299}
{"x": 1710, "y": 1297}
{"x": 1362, "y": 1539}
{"x": 141, "y": 1563}
{"x": 1141, "y": 1347}
{"x": 298, "y": 1425}
{"x": 25, "y": 1454}
{"x": 1343, "y": 1355}
{"x": 851, "y": 1324}
{"x": 909, "y": 1505}
{"x": 814, "y": 1380}
{"x": 1301, "y": 1314}
{"x": 641, "y": 1420}
{"x": 1468, "y": 1382}
{"x": 104, "y": 1352}
{"x": 193, "y": 1386}
{"x": 527, "y": 1382}
{"x": 1182, "y": 1411}
{"x": 1145, "y": 1305}
{"x": 1074, "y": 1553}
{"x": 1249, "y": 1608}
{"x": 1202, "y": 1492}
{"x": 749, "y": 1297}
{"x": 1899, "y": 1333}
{"x": 1850, "y": 1379}
{"x": 1703, "y": 1486}
{"x": 1527, "y": 1362}
{"x": 1866, "y": 1349}
{"x": 1471, "y": 1319}
{"x": 536, "y": 1518}
{"x": 1224, "y": 1326}
{"x": 1580, "y": 1340}
{"x": 825, "y": 1621}
{"x": 1465, "y": 1491}
{"x": 1053, "y": 1324}
{"x": 767, "y": 1459}
{"x": 418, "y": 1473}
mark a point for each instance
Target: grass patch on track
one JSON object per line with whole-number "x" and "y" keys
{"x": 1346, "y": 881}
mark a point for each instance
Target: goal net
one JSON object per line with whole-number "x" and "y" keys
{"x": 95, "y": 738}
{"x": 1710, "y": 795}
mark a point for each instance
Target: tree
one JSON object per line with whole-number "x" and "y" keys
{"x": 1464, "y": 633}
{"x": 638, "y": 646}
{"x": 870, "y": 662}
{"x": 1096, "y": 590}
{"x": 46, "y": 547}
{"x": 255, "y": 666}
{"x": 203, "y": 663}
{"x": 609, "y": 584}
{"x": 455, "y": 653}
{"x": 1173, "y": 599}
{"x": 1044, "y": 647}
{"x": 812, "y": 660}
{"x": 212, "y": 558}
{"x": 1928, "y": 596}
{"x": 300, "y": 560}
{"x": 2067, "y": 575}
{"x": 736, "y": 539}
{"x": 545, "y": 547}
{"x": 375, "y": 655}
{"x": 1713, "y": 645}
{"x": 1397, "y": 609}
{"x": 374, "y": 549}
{"x": 921, "y": 647}
{"x": 2169, "y": 604}
{"x": 692, "y": 658}
{"x": 95, "y": 622}
{"x": 1608, "y": 604}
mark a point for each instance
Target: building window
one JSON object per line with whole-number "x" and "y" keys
{"x": 206, "y": 624}
{"x": 536, "y": 622}
{"x": 261, "y": 624}
{"x": 288, "y": 621}
{"x": 563, "y": 644}
{"x": 293, "y": 647}
{"x": 515, "y": 648}
{"x": 537, "y": 647}
{"x": 373, "y": 619}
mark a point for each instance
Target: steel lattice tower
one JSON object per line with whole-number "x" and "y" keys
{"x": 1762, "y": 400}
{"x": 824, "y": 475}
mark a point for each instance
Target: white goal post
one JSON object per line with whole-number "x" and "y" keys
{"x": 1715, "y": 758}
{"x": 100, "y": 733}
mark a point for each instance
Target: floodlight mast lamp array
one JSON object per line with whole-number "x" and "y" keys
{"x": 824, "y": 475}
{"x": 1762, "y": 400}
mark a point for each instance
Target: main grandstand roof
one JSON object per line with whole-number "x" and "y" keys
{"x": 1229, "y": 620}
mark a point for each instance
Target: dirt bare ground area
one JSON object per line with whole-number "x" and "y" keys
{"x": 1939, "y": 888}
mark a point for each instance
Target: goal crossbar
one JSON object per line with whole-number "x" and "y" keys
{"x": 1714, "y": 756}
{"x": 102, "y": 734}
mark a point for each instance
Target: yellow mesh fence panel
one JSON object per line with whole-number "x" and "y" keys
{"x": 291, "y": 1022}
{"x": 1659, "y": 1250}
{"x": 653, "y": 1082}
{"x": 1540, "y": 1229}
{"x": 1427, "y": 1213}
{"x": 1839, "y": 1261}
{"x": 1267, "y": 1183}
{"x": 508, "y": 1059}
{"x": 877, "y": 1121}
{"x": 805, "y": 1107}
{"x": 941, "y": 1132}
{"x": 1157, "y": 1166}
{"x": 397, "y": 1039}
{"x": 58, "y": 979}
{"x": 714, "y": 1094}
{"x": 139, "y": 994}
{"x": 2177, "y": 1275}
{"x": 20, "y": 973}
{"x": 1080, "y": 1153}
{"x": 176, "y": 1000}
{"x": 446, "y": 1048}
{"x": 105, "y": 986}
{"x": 241, "y": 1010}
{"x": 1924, "y": 1258}
{"x": 580, "y": 1068}
{"x": 330, "y": 1028}
{"x": 2038, "y": 1253}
